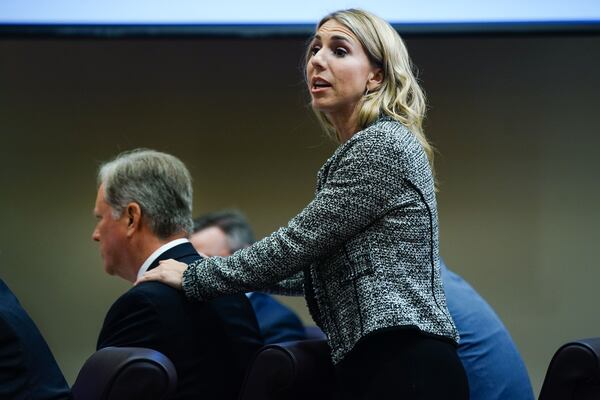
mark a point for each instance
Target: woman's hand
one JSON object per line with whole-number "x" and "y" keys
{"x": 169, "y": 272}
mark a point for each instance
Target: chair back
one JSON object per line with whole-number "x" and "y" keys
{"x": 574, "y": 372}
{"x": 290, "y": 371}
{"x": 120, "y": 373}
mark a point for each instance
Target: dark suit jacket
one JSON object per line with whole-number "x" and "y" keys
{"x": 277, "y": 323}
{"x": 210, "y": 343}
{"x": 28, "y": 370}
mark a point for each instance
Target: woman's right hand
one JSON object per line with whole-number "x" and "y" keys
{"x": 169, "y": 272}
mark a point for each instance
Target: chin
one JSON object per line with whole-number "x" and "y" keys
{"x": 319, "y": 106}
{"x": 110, "y": 271}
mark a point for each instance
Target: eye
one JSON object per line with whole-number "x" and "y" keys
{"x": 314, "y": 49}
{"x": 340, "y": 52}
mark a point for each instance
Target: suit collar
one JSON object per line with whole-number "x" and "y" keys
{"x": 175, "y": 249}
{"x": 177, "y": 252}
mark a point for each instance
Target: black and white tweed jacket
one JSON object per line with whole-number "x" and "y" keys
{"x": 364, "y": 252}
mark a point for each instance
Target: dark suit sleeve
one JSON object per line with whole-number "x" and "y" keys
{"x": 13, "y": 377}
{"x": 131, "y": 321}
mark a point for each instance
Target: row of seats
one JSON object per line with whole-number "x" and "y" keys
{"x": 298, "y": 370}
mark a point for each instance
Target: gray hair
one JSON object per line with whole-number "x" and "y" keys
{"x": 232, "y": 223}
{"x": 159, "y": 182}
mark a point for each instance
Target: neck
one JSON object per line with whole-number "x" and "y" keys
{"x": 148, "y": 244}
{"x": 345, "y": 123}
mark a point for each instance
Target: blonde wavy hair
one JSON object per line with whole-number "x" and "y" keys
{"x": 399, "y": 96}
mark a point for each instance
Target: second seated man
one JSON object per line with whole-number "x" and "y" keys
{"x": 222, "y": 233}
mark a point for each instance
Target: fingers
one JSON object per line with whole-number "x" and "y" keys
{"x": 169, "y": 272}
{"x": 155, "y": 275}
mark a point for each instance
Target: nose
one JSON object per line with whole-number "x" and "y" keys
{"x": 95, "y": 235}
{"x": 317, "y": 60}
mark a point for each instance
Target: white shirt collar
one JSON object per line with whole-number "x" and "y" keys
{"x": 157, "y": 253}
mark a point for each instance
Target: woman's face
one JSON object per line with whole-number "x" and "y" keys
{"x": 338, "y": 70}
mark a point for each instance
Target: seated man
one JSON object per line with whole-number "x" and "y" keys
{"x": 143, "y": 210}
{"x": 492, "y": 362}
{"x": 28, "y": 370}
{"x": 222, "y": 233}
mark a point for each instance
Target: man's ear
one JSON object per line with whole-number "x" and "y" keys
{"x": 134, "y": 218}
{"x": 375, "y": 79}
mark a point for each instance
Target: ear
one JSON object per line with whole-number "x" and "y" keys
{"x": 134, "y": 218}
{"x": 375, "y": 79}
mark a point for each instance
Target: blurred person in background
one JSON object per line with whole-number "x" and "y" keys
{"x": 494, "y": 367}
{"x": 222, "y": 233}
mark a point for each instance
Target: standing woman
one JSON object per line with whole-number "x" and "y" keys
{"x": 364, "y": 252}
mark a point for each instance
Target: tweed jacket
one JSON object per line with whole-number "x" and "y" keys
{"x": 364, "y": 252}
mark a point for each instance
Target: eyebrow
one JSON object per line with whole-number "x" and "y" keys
{"x": 334, "y": 37}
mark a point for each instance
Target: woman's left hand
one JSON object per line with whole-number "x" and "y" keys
{"x": 169, "y": 272}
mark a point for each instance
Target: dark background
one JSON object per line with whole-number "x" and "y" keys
{"x": 514, "y": 119}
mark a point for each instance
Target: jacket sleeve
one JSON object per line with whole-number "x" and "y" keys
{"x": 361, "y": 186}
{"x": 292, "y": 286}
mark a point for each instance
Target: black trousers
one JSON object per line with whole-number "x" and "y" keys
{"x": 402, "y": 364}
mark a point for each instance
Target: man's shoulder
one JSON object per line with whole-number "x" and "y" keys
{"x": 147, "y": 315}
{"x": 149, "y": 295}
{"x": 167, "y": 303}
{"x": 151, "y": 289}
{"x": 9, "y": 304}
{"x": 14, "y": 320}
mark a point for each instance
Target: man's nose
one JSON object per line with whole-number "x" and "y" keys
{"x": 95, "y": 235}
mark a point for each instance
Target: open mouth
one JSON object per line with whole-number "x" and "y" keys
{"x": 318, "y": 84}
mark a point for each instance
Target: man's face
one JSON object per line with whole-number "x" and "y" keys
{"x": 211, "y": 241}
{"x": 112, "y": 235}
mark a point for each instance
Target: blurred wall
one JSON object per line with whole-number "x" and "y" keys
{"x": 513, "y": 119}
